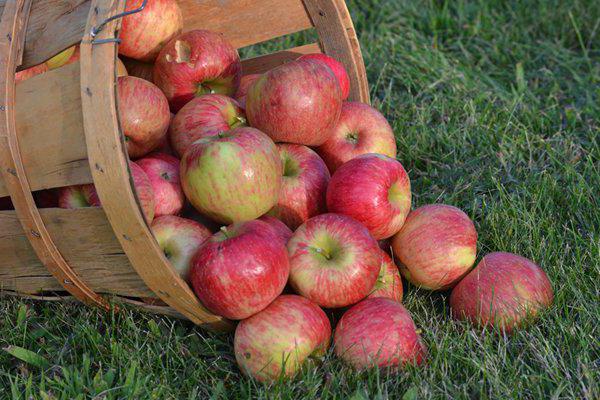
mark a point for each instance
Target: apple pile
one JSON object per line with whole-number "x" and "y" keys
{"x": 276, "y": 198}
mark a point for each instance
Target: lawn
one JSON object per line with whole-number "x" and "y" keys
{"x": 496, "y": 109}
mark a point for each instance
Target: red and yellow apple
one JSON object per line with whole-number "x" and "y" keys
{"x": 144, "y": 191}
{"x": 245, "y": 83}
{"x": 30, "y": 72}
{"x": 389, "y": 283}
{"x": 505, "y": 291}
{"x": 78, "y": 196}
{"x": 233, "y": 176}
{"x": 163, "y": 172}
{"x": 280, "y": 229}
{"x": 337, "y": 67}
{"x": 240, "y": 270}
{"x": 305, "y": 180}
{"x": 436, "y": 247}
{"x": 334, "y": 261}
{"x": 373, "y": 189}
{"x": 298, "y": 102}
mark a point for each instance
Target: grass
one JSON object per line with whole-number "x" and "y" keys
{"x": 496, "y": 108}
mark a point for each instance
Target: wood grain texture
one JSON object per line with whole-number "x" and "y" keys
{"x": 12, "y": 38}
{"x": 246, "y": 22}
{"x": 261, "y": 64}
{"x": 338, "y": 39}
{"x": 87, "y": 242}
{"x": 108, "y": 160}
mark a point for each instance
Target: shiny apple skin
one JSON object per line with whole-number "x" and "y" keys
{"x": 298, "y": 102}
{"x": 163, "y": 172}
{"x": 144, "y": 115}
{"x": 245, "y": 84}
{"x": 144, "y": 190}
{"x": 378, "y": 332}
{"x": 436, "y": 247}
{"x": 196, "y": 63}
{"x": 143, "y": 34}
{"x": 373, "y": 189}
{"x": 360, "y": 130}
{"x": 304, "y": 185}
{"x": 280, "y": 229}
{"x": 337, "y": 67}
{"x": 278, "y": 340}
{"x": 78, "y": 196}
{"x": 505, "y": 291}
{"x": 180, "y": 239}
{"x": 334, "y": 261}
{"x": 232, "y": 177}
{"x": 204, "y": 116}
{"x": 389, "y": 283}
{"x": 240, "y": 270}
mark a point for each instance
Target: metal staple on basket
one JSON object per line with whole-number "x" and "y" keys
{"x": 97, "y": 29}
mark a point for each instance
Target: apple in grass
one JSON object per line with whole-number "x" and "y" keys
{"x": 436, "y": 247}
{"x": 378, "y": 332}
{"x": 505, "y": 291}
{"x": 278, "y": 340}
{"x": 233, "y": 176}
{"x": 245, "y": 83}
{"x": 336, "y": 67}
{"x": 78, "y": 196}
{"x": 144, "y": 115}
{"x": 180, "y": 239}
{"x": 334, "y": 261}
{"x": 196, "y": 63}
{"x": 298, "y": 102}
{"x": 143, "y": 34}
{"x": 389, "y": 283}
{"x": 280, "y": 229}
{"x": 240, "y": 270}
{"x": 373, "y": 189}
{"x": 305, "y": 180}
{"x": 204, "y": 116}
{"x": 163, "y": 172}
{"x": 361, "y": 129}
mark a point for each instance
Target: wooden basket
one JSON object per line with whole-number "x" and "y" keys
{"x": 61, "y": 128}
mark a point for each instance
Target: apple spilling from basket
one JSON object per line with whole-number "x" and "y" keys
{"x": 310, "y": 198}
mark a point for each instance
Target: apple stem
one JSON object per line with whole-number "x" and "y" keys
{"x": 322, "y": 252}
{"x": 239, "y": 121}
{"x": 224, "y": 231}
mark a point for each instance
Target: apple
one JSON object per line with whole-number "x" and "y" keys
{"x": 280, "y": 229}
{"x": 65, "y": 57}
{"x": 245, "y": 83}
{"x": 334, "y": 261}
{"x": 336, "y": 67}
{"x": 196, "y": 63}
{"x": 121, "y": 70}
{"x": 505, "y": 291}
{"x": 143, "y": 34}
{"x": 305, "y": 180}
{"x": 373, "y": 189}
{"x": 298, "y": 102}
{"x": 278, "y": 340}
{"x": 144, "y": 115}
{"x": 30, "y": 72}
{"x": 180, "y": 239}
{"x": 163, "y": 172}
{"x": 78, "y": 196}
{"x": 240, "y": 270}
{"x": 389, "y": 283}
{"x": 378, "y": 332}
{"x": 204, "y": 116}
{"x": 233, "y": 176}
{"x": 139, "y": 69}
{"x": 143, "y": 189}
{"x": 361, "y": 129}
{"x": 436, "y": 246}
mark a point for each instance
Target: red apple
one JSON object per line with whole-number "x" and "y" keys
{"x": 276, "y": 341}
{"x": 240, "y": 270}
{"x": 144, "y": 190}
{"x": 337, "y": 67}
{"x": 78, "y": 196}
{"x": 65, "y": 57}
{"x": 196, "y": 63}
{"x": 234, "y": 176}
{"x": 305, "y": 180}
{"x": 279, "y": 228}
{"x": 144, "y": 115}
{"x": 378, "y": 332}
{"x": 163, "y": 172}
{"x": 143, "y": 34}
{"x": 373, "y": 189}
{"x": 30, "y": 72}
{"x": 334, "y": 261}
{"x": 436, "y": 246}
{"x": 389, "y": 283}
{"x": 298, "y": 102}
{"x": 505, "y": 291}
{"x": 245, "y": 83}
{"x": 204, "y": 116}
{"x": 180, "y": 239}
{"x": 361, "y": 130}
{"x": 139, "y": 69}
